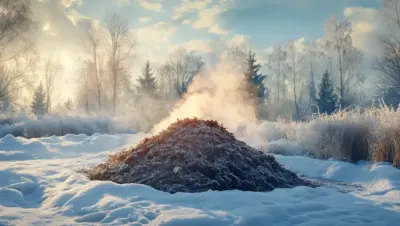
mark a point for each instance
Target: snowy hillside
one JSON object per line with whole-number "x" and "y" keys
{"x": 40, "y": 185}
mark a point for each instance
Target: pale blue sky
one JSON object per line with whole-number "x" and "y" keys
{"x": 266, "y": 22}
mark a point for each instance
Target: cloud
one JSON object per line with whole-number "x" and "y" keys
{"x": 216, "y": 29}
{"x": 56, "y": 21}
{"x": 75, "y": 17}
{"x": 187, "y": 6}
{"x": 153, "y": 43}
{"x": 153, "y": 6}
{"x": 351, "y": 11}
{"x": 238, "y": 40}
{"x": 198, "y": 46}
{"x": 124, "y": 2}
{"x": 208, "y": 18}
{"x": 300, "y": 44}
{"x": 143, "y": 19}
{"x": 57, "y": 34}
{"x": 157, "y": 32}
{"x": 363, "y": 27}
{"x": 69, "y": 3}
{"x": 46, "y": 26}
{"x": 367, "y": 27}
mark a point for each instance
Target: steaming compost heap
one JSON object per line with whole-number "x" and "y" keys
{"x": 194, "y": 155}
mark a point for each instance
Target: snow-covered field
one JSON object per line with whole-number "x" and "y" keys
{"x": 40, "y": 184}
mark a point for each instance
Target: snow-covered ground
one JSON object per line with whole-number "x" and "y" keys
{"x": 40, "y": 184}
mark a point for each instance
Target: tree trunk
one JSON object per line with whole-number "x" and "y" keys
{"x": 312, "y": 95}
{"x": 341, "y": 77}
{"x": 115, "y": 78}
{"x": 114, "y": 98}
{"x": 294, "y": 89}
{"x": 295, "y": 98}
{"x": 48, "y": 103}
{"x": 279, "y": 83}
{"x": 97, "y": 76}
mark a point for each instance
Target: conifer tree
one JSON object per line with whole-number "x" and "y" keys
{"x": 38, "y": 105}
{"x": 327, "y": 99}
{"x": 255, "y": 80}
{"x": 147, "y": 82}
{"x": 68, "y": 104}
{"x": 146, "y": 99}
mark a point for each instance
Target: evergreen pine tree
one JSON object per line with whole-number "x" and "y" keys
{"x": 38, "y": 105}
{"x": 146, "y": 98}
{"x": 327, "y": 100}
{"x": 147, "y": 82}
{"x": 255, "y": 79}
{"x": 68, "y": 104}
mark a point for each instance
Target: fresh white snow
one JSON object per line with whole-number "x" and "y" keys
{"x": 40, "y": 184}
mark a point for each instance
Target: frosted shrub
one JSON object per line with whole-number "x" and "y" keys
{"x": 351, "y": 135}
{"x": 49, "y": 125}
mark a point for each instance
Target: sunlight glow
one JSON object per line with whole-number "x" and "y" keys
{"x": 66, "y": 59}
{"x": 46, "y": 26}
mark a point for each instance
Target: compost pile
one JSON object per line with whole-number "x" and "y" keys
{"x": 195, "y": 155}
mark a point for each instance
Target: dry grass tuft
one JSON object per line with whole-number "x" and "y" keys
{"x": 387, "y": 148}
{"x": 352, "y": 135}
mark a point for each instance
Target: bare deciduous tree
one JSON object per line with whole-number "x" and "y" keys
{"x": 311, "y": 53}
{"x": 179, "y": 71}
{"x": 164, "y": 81}
{"x": 276, "y": 64}
{"x": 389, "y": 63}
{"x": 236, "y": 56}
{"x": 121, "y": 50}
{"x": 52, "y": 69}
{"x": 338, "y": 48}
{"x": 16, "y": 45}
{"x": 14, "y": 71}
{"x": 294, "y": 59}
{"x": 391, "y": 12}
{"x": 92, "y": 43}
{"x": 16, "y": 25}
{"x": 83, "y": 97}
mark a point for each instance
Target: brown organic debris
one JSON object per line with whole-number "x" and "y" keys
{"x": 194, "y": 155}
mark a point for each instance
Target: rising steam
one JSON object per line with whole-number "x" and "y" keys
{"x": 215, "y": 95}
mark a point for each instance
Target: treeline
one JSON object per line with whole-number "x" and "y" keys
{"x": 319, "y": 76}
{"x": 303, "y": 78}
{"x": 105, "y": 82}
{"x": 328, "y": 74}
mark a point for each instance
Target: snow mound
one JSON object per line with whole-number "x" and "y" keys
{"x": 20, "y": 149}
{"x": 194, "y": 155}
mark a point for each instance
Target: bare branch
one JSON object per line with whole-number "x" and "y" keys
{"x": 121, "y": 50}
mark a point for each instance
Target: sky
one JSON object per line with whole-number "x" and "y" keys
{"x": 160, "y": 26}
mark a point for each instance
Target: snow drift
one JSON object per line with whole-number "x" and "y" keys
{"x": 47, "y": 189}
